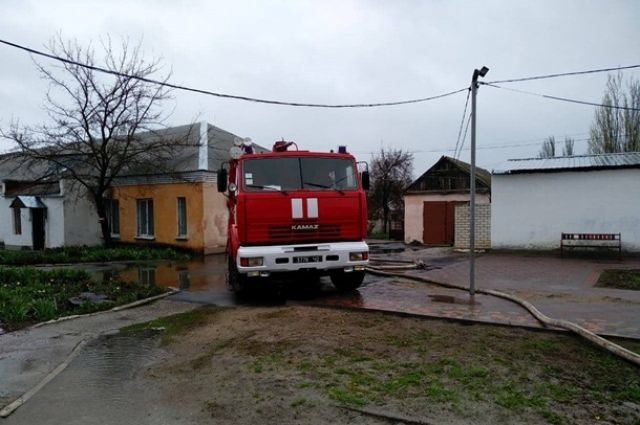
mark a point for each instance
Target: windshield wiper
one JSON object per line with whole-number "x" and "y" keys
{"x": 268, "y": 188}
{"x": 324, "y": 186}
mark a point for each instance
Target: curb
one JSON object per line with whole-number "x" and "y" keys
{"x": 114, "y": 309}
{"x": 11, "y": 407}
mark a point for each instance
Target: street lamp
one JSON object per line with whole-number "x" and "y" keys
{"x": 472, "y": 229}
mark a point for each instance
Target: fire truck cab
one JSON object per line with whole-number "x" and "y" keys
{"x": 295, "y": 211}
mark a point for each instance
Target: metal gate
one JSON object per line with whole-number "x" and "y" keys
{"x": 439, "y": 223}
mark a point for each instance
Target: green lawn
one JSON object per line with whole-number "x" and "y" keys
{"x": 29, "y": 295}
{"x": 620, "y": 279}
{"x": 83, "y": 254}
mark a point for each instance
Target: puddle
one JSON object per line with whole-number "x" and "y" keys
{"x": 450, "y": 299}
{"x": 200, "y": 274}
{"x": 110, "y": 360}
{"x": 101, "y": 385}
{"x": 386, "y": 248}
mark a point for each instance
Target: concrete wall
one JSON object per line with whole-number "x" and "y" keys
{"x": 81, "y": 226}
{"x": 414, "y": 208}
{"x": 530, "y": 211}
{"x": 206, "y": 214}
{"x": 482, "y": 225}
{"x": 215, "y": 219}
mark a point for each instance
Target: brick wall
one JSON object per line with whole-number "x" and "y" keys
{"x": 483, "y": 226}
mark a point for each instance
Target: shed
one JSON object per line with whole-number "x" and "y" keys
{"x": 430, "y": 201}
{"x": 535, "y": 200}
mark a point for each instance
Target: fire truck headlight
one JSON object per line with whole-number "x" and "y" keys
{"x": 252, "y": 261}
{"x": 358, "y": 256}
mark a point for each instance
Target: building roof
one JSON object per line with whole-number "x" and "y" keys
{"x": 36, "y": 188}
{"x": 570, "y": 163}
{"x": 27, "y": 202}
{"x": 182, "y": 155}
{"x": 446, "y": 175}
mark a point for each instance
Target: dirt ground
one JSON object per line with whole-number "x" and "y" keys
{"x": 297, "y": 364}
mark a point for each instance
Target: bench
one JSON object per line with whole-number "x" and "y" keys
{"x": 591, "y": 240}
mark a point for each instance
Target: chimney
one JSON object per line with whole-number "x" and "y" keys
{"x": 203, "y": 148}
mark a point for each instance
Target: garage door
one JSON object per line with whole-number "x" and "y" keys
{"x": 438, "y": 220}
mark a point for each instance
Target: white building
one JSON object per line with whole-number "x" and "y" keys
{"x": 44, "y": 215}
{"x": 535, "y": 200}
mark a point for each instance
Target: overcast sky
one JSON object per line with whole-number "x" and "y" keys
{"x": 349, "y": 52}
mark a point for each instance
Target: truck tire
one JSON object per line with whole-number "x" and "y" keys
{"x": 345, "y": 282}
{"x": 237, "y": 281}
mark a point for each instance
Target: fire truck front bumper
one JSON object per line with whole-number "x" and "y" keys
{"x": 323, "y": 257}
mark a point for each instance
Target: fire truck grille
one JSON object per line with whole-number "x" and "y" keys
{"x": 324, "y": 231}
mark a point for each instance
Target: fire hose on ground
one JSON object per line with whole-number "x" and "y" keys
{"x": 385, "y": 270}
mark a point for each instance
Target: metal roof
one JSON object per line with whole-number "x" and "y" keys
{"x": 27, "y": 202}
{"x": 570, "y": 163}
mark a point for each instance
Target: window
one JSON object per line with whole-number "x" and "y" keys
{"x": 145, "y": 217}
{"x": 182, "y": 217}
{"x": 147, "y": 276}
{"x": 306, "y": 173}
{"x": 113, "y": 216}
{"x": 17, "y": 221}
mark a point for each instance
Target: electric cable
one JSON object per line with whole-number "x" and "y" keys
{"x": 563, "y": 74}
{"x": 563, "y": 99}
{"x": 464, "y": 113}
{"x": 224, "y": 95}
{"x": 464, "y": 138}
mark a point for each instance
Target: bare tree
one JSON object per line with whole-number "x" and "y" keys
{"x": 548, "y": 148}
{"x": 92, "y": 137}
{"x": 391, "y": 173}
{"x": 617, "y": 130}
{"x": 567, "y": 149}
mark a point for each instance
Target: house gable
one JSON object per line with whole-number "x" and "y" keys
{"x": 450, "y": 175}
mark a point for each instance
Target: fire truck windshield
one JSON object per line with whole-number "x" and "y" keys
{"x": 283, "y": 174}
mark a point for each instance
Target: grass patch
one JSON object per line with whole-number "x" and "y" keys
{"x": 84, "y": 254}
{"x": 298, "y": 402}
{"x": 351, "y": 396}
{"x": 176, "y": 324}
{"x": 533, "y": 374}
{"x": 29, "y": 295}
{"x": 620, "y": 279}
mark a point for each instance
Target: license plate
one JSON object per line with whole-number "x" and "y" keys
{"x": 310, "y": 259}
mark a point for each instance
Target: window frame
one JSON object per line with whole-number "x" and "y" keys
{"x": 17, "y": 220}
{"x": 149, "y": 231}
{"x": 113, "y": 211}
{"x": 179, "y": 234}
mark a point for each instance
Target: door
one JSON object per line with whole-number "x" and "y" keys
{"x": 37, "y": 228}
{"x": 438, "y": 221}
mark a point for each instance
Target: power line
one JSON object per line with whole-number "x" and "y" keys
{"x": 531, "y": 142}
{"x": 563, "y": 99}
{"x": 563, "y": 74}
{"x": 223, "y": 95}
{"x": 464, "y": 138}
{"x": 464, "y": 113}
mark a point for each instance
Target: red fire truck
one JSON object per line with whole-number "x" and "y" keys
{"x": 295, "y": 211}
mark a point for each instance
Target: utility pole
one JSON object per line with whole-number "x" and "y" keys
{"x": 472, "y": 209}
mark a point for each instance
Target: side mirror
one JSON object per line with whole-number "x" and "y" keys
{"x": 222, "y": 180}
{"x": 364, "y": 176}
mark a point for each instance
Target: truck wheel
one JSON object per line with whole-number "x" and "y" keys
{"x": 237, "y": 281}
{"x": 347, "y": 281}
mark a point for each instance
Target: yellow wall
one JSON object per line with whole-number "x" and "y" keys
{"x": 205, "y": 209}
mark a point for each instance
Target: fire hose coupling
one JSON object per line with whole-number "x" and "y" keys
{"x": 359, "y": 256}
{"x": 251, "y": 261}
